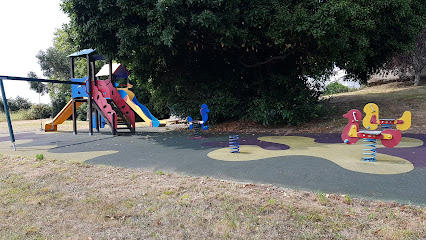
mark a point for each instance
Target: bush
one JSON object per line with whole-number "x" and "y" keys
{"x": 82, "y": 112}
{"x": 16, "y": 104}
{"x": 22, "y": 114}
{"x": 334, "y": 88}
{"x": 19, "y": 103}
{"x": 58, "y": 103}
{"x": 285, "y": 104}
{"x": 38, "y": 111}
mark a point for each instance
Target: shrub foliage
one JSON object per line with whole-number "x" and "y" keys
{"x": 16, "y": 104}
{"x": 38, "y": 111}
{"x": 334, "y": 88}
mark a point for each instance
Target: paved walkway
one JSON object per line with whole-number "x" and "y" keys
{"x": 314, "y": 162}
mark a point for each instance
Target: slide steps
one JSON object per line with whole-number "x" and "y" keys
{"x": 121, "y": 118}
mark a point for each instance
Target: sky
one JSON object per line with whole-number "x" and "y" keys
{"x": 27, "y": 26}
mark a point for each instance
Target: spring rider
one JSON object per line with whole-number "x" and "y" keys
{"x": 197, "y": 124}
{"x": 388, "y": 137}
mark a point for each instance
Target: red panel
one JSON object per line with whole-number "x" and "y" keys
{"x": 373, "y": 119}
{"x": 396, "y": 138}
{"x": 103, "y": 105}
{"x": 108, "y": 91}
{"x": 354, "y": 117}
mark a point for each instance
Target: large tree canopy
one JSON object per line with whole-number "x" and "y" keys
{"x": 247, "y": 58}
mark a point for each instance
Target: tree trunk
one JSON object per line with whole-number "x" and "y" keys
{"x": 417, "y": 79}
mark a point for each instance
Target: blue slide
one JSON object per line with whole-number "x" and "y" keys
{"x": 139, "y": 109}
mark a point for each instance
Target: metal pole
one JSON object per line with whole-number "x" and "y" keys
{"x": 89, "y": 100}
{"x": 72, "y": 67}
{"x": 6, "y": 110}
{"x": 111, "y": 78}
{"x": 74, "y": 109}
{"x": 39, "y": 103}
{"x": 74, "y": 117}
{"x": 96, "y": 114}
{"x": 37, "y": 80}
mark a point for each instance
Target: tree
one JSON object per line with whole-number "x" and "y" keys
{"x": 413, "y": 61}
{"x": 55, "y": 65}
{"x": 419, "y": 56}
{"x": 38, "y": 87}
{"x": 250, "y": 59}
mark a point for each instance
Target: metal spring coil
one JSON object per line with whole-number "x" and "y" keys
{"x": 234, "y": 145}
{"x": 386, "y": 126}
{"x": 370, "y": 152}
{"x": 197, "y": 130}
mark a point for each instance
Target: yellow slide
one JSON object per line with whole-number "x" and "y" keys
{"x": 137, "y": 110}
{"x": 63, "y": 115}
{"x": 144, "y": 117}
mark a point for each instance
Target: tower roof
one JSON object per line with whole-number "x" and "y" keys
{"x": 118, "y": 71}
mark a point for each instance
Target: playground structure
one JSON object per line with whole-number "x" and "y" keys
{"x": 112, "y": 106}
{"x": 115, "y": 107}
{"x": 101, "y": 96}
{"x": 388, "y": 137}
{"x": 197, "y": 124}
{"x": 120, "y": 100}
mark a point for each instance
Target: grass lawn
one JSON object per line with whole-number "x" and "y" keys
{"x": 52, "y": 199}
{"x": 47, "y": 199}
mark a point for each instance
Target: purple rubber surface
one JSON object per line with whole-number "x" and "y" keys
{"x": 323, "y": 137}
{"x": 416, "y": 155}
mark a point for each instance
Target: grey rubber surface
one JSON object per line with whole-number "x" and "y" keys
{"x": 175, "y": 152}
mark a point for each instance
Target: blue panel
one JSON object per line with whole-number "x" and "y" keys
{"x": 79, "y": 90}
{"x": 122, "y": 93}
{"x": 102, "y": 122}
